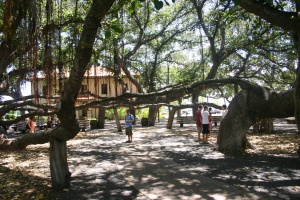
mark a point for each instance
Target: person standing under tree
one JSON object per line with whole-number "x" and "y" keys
{"x": 199, "y": 122}
{"x": 129, "y": 120}
{"x": 31, "y": 125}
{"x": 205, "y": 124}
{"x": 224, "y": 110}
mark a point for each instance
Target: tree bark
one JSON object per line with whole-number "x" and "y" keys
{"x": 119, "y": 127}
{"x": 247, "y": 107}
{"x": 286, "y": 20}
{"x": 152, "y": 115}
{"x": 297, "y": 89}
{"x": 101, "y": 118}
{"x": 60, "y": 175}
{"x": 195, "y": 102}
{"x": 171, "y": 117}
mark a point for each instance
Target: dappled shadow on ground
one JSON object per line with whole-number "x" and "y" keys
{"x": 95, "y": 185}
{"x": 94, "y": 173}
{"x": 154, "y": 159}
{"x": 16, "y": 184}
{"x": 160, "y": 167}
{"x": 276, "y": 175}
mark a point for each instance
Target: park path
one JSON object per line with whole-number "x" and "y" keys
{"x": 148, "y": 165}
{"x": 168, "y": 164}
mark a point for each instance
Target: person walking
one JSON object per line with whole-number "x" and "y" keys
{"x": 199, "y": 122}
{"x": 205, "y": 124}
{"x": 129, "y": 120}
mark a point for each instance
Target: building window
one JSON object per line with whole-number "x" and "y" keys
{"x": 45, "y": 90}
{"x": 103, "y": 88}
{"x": 83, "y": 88}
{"x": 84, "y": 112}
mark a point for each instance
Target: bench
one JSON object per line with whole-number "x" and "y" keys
{"x": 41, "y": 124}
{"x": 21, "y": 126}
{"x": 216, "y": 119}
{"x": 290, "y": 120}
{"x": 184, "y": 120}
{"x": 14, "y": 127}
{"x": 83, "y": 124}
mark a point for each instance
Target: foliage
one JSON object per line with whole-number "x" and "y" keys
{"x": 160, "y": 50}
{"x": 110, "y": 115}
{"x": 142, "y": 113}
{"x": 122, "y": 113}
{"x": 90, "y": 118}
{"x": 159, "y": 3}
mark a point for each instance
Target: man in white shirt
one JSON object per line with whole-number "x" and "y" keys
{"x": 206, "y": 118}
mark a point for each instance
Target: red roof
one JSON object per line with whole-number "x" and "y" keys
{"x": 94, "y": 71}
{"x": 99, "y": 71}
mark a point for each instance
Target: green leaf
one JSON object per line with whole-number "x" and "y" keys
{"x": 135, "y": 4}
{"x": 158, "y": 4}
{"x": 131, "y": 11}
{"x": 115, "y": 21}
{"x": 107, "y": 34}
{"x": 117, "y": 28}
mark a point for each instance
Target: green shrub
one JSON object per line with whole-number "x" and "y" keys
{"x": 110, "y": 115}
{"x": 142, "y": 113}
{"x": 122, "y": 113}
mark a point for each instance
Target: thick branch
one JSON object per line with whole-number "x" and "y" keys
{"x": 285, "y": 20}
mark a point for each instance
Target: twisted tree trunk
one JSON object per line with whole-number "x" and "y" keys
{"x": 171, "y": 117}
{"x": 247, "y": 107}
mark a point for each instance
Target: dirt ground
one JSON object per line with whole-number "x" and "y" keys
{"x": 272, "y": 167}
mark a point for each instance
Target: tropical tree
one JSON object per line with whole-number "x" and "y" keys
{"x": 251, "y": 104}
{"x": 65, "y": 109}
{"x": 256, "y": 102}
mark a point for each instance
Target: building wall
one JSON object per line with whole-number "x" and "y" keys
{"x": 94, "y": 85}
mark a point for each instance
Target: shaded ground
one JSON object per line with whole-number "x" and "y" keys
{"x": 272, "y": 168}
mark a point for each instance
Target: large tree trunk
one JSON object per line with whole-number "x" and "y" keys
{"x": 152, "y": 115}
{"x": 297, "y": 85}
{"x": 247, "y": 107}
{"x": 66, "y": 107}
{"x": 117, "y": 120}
{"x": 101, "y": 118}
{"x": 287, "y": 21}
{"x": 59, "y": 169}
{"x": 195, "y": 102}
{"x": 171, "y": 117}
